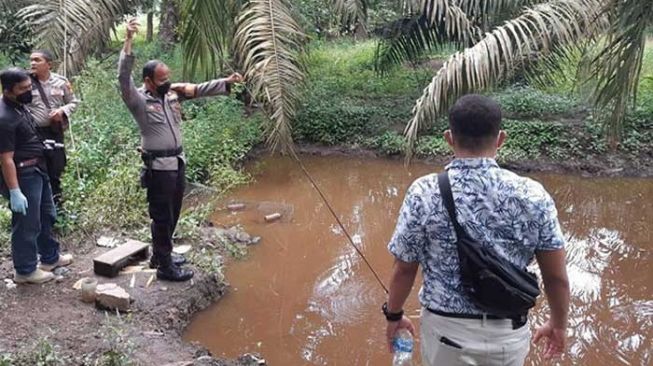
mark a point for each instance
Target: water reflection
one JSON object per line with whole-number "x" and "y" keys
{"x": 304, "y": 297}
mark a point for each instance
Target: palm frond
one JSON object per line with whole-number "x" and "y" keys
{"x": 409, "y": 38}
{"x": 73, "y": 29}
{"x": 488, "y": 13}
{"x": 619, "y": 64}
{"x": 539, "y": 29}
{"x": 270, "y": 41}
{"x": 351, "y": 12}
{"x": 206, "y": 33}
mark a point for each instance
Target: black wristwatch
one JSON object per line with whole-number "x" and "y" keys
{"x": 391, "y": 317}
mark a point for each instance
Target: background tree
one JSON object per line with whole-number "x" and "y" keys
{"x": 149, "y": 7}
{"x": 170, "y": 18}
{"x": 73, "y": 29}
{"x": 544, "y": 28}
{"x": 15, "y": 35}
{"x": 263, "y": 39}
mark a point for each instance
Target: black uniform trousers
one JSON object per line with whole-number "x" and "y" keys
{"x": 165, "y": 193}
{"x": 55, "y": 160}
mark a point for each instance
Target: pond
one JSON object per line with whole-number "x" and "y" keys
{"x": 303, "y": 296}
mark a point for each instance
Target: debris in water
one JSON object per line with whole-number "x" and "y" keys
{"x": 273, "y": 217}
{"x": 236, "y": 206}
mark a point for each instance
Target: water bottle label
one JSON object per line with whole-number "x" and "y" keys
{"x": 402, "y": 345}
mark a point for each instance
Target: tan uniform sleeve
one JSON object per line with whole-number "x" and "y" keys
{"x": 213, "y": 87}
{"x": 70, "y": 99}
{"x": 130, "y": 95}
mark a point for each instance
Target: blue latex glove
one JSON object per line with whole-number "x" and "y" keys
{"x": 18, "y": 201}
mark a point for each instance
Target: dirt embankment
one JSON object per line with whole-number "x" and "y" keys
{"x": 35, "y": 318}
{"x": 608, "y": 165}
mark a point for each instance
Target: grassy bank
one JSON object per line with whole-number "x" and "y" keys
{"x": 346, "y": 102}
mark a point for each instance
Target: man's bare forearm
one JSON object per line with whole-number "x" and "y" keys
{"x": 401, "y": 283}
{"x": 557, "y": 294}
{"x": 9, "y": 170}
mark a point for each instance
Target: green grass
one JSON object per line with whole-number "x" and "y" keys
{"x": 346, "y": 100}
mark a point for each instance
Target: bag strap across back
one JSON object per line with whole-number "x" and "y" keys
{"x": 447, "y": 199}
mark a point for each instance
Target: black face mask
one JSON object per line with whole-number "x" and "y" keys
{"x": 163, "y": 89}
{"x": 25, "y": 98}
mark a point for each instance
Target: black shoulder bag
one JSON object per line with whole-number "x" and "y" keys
{"x": 493, "y": 283}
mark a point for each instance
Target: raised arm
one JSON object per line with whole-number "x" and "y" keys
{"x": 128, "y": 90}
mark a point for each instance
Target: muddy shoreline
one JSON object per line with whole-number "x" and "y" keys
{"x": 611, "y": 165}
{"x": 80, "y": 334}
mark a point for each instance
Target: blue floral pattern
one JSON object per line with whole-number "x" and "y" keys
{"x": 496, "y": 207}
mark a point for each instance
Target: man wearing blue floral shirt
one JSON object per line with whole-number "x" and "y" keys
{"x": 497, "y": 208}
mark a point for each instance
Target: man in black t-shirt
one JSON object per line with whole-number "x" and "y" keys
{"x": 25, "y": 176}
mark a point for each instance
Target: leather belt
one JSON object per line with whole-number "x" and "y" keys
{"x": 29, "y": 162}
{"x": 517, "y": 320}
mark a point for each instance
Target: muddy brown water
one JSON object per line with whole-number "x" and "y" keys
{"x": 304, "y": 297}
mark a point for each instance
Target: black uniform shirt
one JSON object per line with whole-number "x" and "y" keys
{"x": 18, "y": 132}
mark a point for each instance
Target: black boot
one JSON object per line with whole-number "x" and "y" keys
{"x": 177, "y": 259}
{"x": 174, "y": 273}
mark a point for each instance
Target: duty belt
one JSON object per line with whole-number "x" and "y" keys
{"x": 164, "y": 153}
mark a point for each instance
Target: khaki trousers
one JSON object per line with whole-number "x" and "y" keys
{"x": 482, "y": 342}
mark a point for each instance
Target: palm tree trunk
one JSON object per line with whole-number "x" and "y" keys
{"x": 149, "y": 34}
{"x": 169, "y": 22}
{"x": 360, "y": 33}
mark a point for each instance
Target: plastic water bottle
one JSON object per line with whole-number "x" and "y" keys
{"x": 402, "y": 345}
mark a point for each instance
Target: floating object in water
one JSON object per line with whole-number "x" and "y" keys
{"x": 236, "y": 206}
{"x": 273, "y": 217}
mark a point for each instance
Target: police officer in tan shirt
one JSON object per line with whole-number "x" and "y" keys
{"x": 157, "y": 111}
{"x": 53, "y": 103}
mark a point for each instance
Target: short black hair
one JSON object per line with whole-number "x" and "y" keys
{"x": 12, "y": 76}
{"x": 475, "y": 121}
{"x": 47, "y": 54}
{"x": 149, "y": 67}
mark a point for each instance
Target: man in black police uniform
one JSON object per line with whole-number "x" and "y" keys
{"x": 26, "y": 184}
